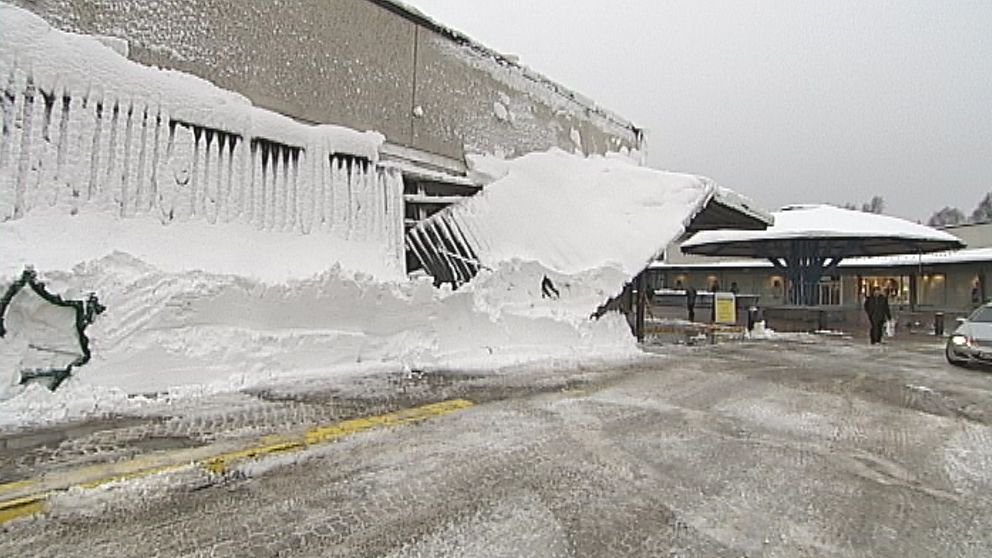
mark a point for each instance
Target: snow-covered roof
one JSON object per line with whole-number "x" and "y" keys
{"x": 837, "y": 232}
{"x": 568, "y": 213}
{"x": 967, "y": 255}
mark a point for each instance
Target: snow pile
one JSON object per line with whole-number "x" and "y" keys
{"x": 50, "y": 240}
{"x": 188, "y": 333}
{"x": 87, "y": 131}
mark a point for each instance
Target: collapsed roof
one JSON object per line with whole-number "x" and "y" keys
{"x": 572, "y": 214}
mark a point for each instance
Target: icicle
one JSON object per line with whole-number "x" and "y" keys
{"x": 196, "y": 170}
{"x": 62, "y": 175}
{"x": 238, "y": 179}
{"x": 23, "y": 111}
{"x": 306, "y": 199}
{"x": 79, "y": 144}
{"x": 339, "y": 207}
{"x": 211, "y": 165}
{"x": 223, "y": 176}
{"x": 111, "y": 173}
{"x": 41, "y": 154}
{"x": 129, "y": 167}
{"x": 99, "y": 125}
{"x": 259, "y": 167}
{"x": 159, "y": 170}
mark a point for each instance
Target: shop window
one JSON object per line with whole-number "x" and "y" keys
{"x": 895, "y": 287}
{"x": 828, "y": 291}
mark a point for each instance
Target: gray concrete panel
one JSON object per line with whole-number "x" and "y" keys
{"x": 345, "y": 62}
{"x": 470, "y": 98}
{"x": 356, "y": 63}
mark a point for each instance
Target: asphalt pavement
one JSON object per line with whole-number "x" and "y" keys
{"x": 802, "y": 447}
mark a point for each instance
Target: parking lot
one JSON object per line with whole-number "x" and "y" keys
{"x": 807, "y": 446}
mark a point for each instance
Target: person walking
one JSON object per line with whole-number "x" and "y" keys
{"x": 548, "y": 289}
{"x": 877, "y": 308}
{"x": 690, "y": 302}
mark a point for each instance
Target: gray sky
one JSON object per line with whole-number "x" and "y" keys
{"x": 784, "y": 101}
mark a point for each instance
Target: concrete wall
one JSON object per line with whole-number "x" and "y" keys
{"x": 363, "y": 64}
{"x": 975, "y": 236}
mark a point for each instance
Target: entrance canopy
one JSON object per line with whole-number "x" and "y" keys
{"x": 807, "y": 241}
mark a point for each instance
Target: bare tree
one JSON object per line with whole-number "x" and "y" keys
{"x": 946, "y": 216}
{"x": 983, "y": 212}
{"x": 875, "y": 205}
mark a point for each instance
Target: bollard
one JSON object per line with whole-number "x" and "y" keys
{"x": 938, "y": 324}
{"x": 821, "y": 320}
{"x": 752, "y": 317}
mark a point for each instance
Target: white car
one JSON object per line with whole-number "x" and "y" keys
{"x": 971, "y": 342}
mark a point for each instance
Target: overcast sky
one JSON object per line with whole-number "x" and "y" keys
{"x": 785, "y": 101}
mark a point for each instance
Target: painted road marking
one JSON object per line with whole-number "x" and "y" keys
{"x": 30, "y": 496}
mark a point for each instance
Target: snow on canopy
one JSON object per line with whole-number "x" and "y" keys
{"x": 837, "y": 232}
{"x": 568, "y": 213}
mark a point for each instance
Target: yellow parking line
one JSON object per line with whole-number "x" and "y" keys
{"x": 16, "y": 485}
{"x": 20, "y": 507}
{"x": 28, "y": 497}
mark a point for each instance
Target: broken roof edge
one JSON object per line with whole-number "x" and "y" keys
{"x": 726, "y": 209}
{"x": 418, "y": 17}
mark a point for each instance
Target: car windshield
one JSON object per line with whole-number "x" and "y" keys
{"x": 983, "y": 314}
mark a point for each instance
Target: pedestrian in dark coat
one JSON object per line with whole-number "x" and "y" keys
{"x": 877, "y": 308}
{"x": 690, "y": 302}
{"x": 548, "y": 289}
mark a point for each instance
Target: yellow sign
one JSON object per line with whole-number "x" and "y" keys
{"x": 726, "y": 308}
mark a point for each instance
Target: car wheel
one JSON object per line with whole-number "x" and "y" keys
{"x": 951, "y": 358}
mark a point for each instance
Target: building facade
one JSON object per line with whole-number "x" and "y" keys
{"x": 433, "y": 93}
{"x": 947, "y": 281}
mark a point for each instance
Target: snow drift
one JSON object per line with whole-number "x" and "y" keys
{"x": 195, "y": 332}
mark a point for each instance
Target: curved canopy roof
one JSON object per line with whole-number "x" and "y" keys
{"x": 830, "y": 231}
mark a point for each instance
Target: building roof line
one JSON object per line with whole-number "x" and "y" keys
{"x": 416, "y": 16}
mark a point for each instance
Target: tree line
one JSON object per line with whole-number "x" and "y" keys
{"x": 941, "y": 218}
{"x": 954, "y": 216}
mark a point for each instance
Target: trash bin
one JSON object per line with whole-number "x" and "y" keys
{"x": 752, "y": 317}
{"x": 938, "y": 324}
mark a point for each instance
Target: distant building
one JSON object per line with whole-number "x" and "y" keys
{"x": 955, "y": 281}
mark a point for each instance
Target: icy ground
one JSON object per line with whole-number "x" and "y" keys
{"x": 827, "y": 448}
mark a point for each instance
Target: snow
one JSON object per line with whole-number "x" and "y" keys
{"x": 802, "y": 221}
{"x": 183, "y": 334}
{"x": 60, "y": 61}
{"x": 965, "y": 255}
{"x": 234, "y": 247}
{"x": 50, "y": 240}
{"x": 574, "y": 214}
